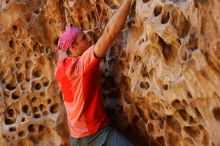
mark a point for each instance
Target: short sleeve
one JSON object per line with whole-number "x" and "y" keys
{"x": 88, "y": 59}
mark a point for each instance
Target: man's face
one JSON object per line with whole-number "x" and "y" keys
{"x": 82, "y": 42}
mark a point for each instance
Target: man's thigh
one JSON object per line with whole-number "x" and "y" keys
{"x": 97, "y": 139}
{"x": 107, "y": 136}
{"x": 116, "y": 139}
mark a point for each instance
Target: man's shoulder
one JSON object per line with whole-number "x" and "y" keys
{"x": 89, "y": 50}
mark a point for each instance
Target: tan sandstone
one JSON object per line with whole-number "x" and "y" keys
{"x": 161, "y": 77}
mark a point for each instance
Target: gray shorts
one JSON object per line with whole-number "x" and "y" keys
{"x": 107, "y": 136}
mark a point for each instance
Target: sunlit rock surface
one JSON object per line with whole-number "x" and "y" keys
{"x": 161, "y": 77}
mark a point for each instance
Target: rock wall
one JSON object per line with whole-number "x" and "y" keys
{"x": 31, "y": 108}
{"x": 161, "y": 77}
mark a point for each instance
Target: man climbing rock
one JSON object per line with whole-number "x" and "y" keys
{"x": 79, "y": 78}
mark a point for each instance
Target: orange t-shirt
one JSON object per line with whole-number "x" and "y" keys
{"x": 79, "y": 80}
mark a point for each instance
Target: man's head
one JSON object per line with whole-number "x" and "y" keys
{"x": 74, "y": 41}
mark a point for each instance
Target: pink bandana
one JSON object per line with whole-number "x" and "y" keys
{"x": 67, "y": 38}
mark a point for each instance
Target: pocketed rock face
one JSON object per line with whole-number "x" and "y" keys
{"x": 164, "y": 67}
{"x": 168, "y": 72}
{"x": 31, "y": 109}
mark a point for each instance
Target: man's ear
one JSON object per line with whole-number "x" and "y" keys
{"x": 72, "y": 48}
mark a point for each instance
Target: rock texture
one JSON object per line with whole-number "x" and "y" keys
{"x": 161, "y": 77}
{"x": 30, "y": 107}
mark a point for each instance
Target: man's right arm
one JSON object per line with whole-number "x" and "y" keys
{"x": 112, "y": 29}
